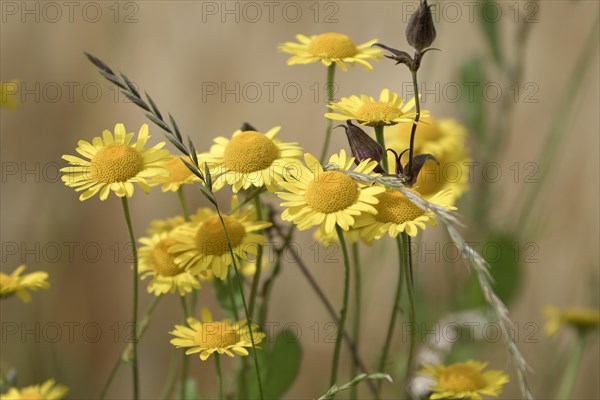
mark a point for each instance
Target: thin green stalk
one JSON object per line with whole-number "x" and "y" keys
{"x": 259, "y": 254}
{"x": 330, "y": 89}
{"x": 357, "y": 312}
{"x": 170, "y": 381}
{"x": 219, "y": 375}
{"x": 559, "y": 123}
{"x": 143, "y": 325}
{"x": 182, "y": 203}
{"x": 411, "y": 309}
{"x": 395, "y": 311}
{"x": 246, "y": 311}
{"x": 416, "y": 122}
{"x": 186, "y": 361}
{"x": 343, "y": 312}
{"x": 134, "y": 358}
{"x": 231, "y": 290}
{"x": 381, "y": 141}
{"x": 572, "y": 369}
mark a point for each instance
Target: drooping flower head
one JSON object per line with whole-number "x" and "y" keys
{"x": 18, "y": 284}
{"x": 390, "y": 109}
{"x": 582, "y": 319}
{"x": 464, "y": 380}
{"x": 396, "y": 213}
{"x": 156, "y": 262}
{"x": 222, "y": 337}
{"x": 446, "y": 141}
{"x": 330, "y": 48}
{"x": 201, "y": 245}
{"x": 250, "y": 158}
{"x": 315, "y": 196}
{"x": 115, "y": 164}
{"x": 48, "y": 390}
{"x": 178, "y": 174}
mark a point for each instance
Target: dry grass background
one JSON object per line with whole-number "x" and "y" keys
{"x": 171, "y": 52}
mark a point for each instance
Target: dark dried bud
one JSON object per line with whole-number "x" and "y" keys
{"x": 362, "y": 145}
{"x": 417, "y": 164}
{"x": 420, "y": 31}
{"x": 247, "y": 127}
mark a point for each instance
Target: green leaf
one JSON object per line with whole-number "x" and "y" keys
{"x": 472, "y": 77}
{"x": 283, "y": 364}
{"x": 224, "y": 297}
{"x": 503, "y": 252}
{"x": 490, "y": 16}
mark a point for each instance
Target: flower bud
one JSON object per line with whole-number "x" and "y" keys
{"x": 420, "y": 31}
{"x": 362, "y": 145}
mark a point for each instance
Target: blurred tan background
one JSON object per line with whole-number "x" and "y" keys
{"x": 179, "y": 50}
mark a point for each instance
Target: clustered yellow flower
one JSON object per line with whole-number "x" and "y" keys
{"x": 464, "y": 380}
{"x": 581, "y": 319}
{"x": 48, "y": 390}
{"x": 329, "y": 48}
{"x": 222, "y": 337}
{"x": 178, "y": 174}
{"x": 17, "y": 284}
{"x": 390, "y": 109}
{"x": 115, "y": 164}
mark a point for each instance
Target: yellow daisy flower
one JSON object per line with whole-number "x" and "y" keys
{"x": 446, "y": 141}
{"x": 18, "y": 284}
{"x": 8, "y": 94}
{"x": 328, "y": 198}
{"x": 250, "y": 158}
{"x": 158, "y": 263}
{"x": 48, "y": 390}
{"x": 464, "y": 380}
{"x": 396, "y": 213}
{"x": 115, "y": 164}
{"x": 158, "y": 226}
{"x": 331, "y": 48}
{"x": 201, "y": 246}
{"x": 178, "y": 174}
{"x": 390, "y": 109}
{"x": 581, "y": 319}
{"x": 210, "y": 336}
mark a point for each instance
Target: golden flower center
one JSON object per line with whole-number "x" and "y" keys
{"x": 332, "y": 45}
{"x": 211, "y": 239}
{"x": 178, "y": 171}
{"x": 378, "y": 111}
{"x": 428, "y": 131}
{"x": 331, "y": 191}
{"x": 212, "y": 335}
{"x": 461, "y": 378}
{"x": 161, "y": 261}
{"x": 249, "y": 151}
{"x": 116, "y": 162}
{"x": 396, "y": 208}
{"x": 430, "y": 179}
{"x": 31, "y": 394}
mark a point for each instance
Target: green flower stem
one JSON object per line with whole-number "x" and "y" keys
{"x": 343, "y": 312}
{"x": 182, "y": 204}
{"x": 186, "y": 361}
{"x": 219, "y": 375}
{"x": 259, "y": 254}
{"x": 411, "y": 304}
{"x": 414, "y": 127}
{"x": 357, "y": 312}
{"x": 330, "y": 87}
{"x": 134, "y": 358}
{"x": 381, "y": 140}
{"x": 246, "y": 311}
{"x": 572, "y": 369}
{"x": 268, "y": 285}
{"x": 170, "y": 381}
{"x": 395, "y": 310}
{"x": 124, "y": 355}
